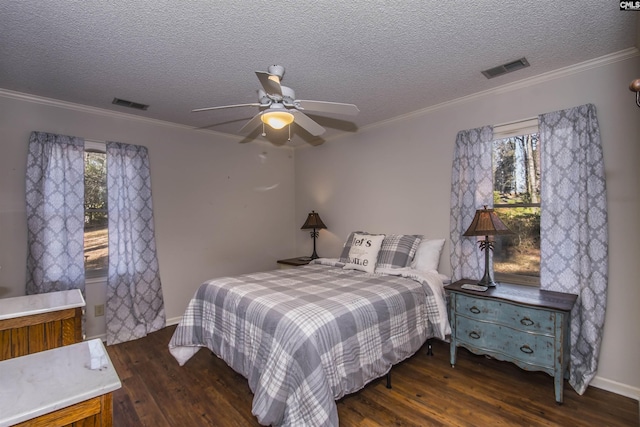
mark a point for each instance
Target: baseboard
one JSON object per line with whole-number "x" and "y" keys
{"x": 174, "y": 321}
{"x": 616, "y": 387}
{"x": 103, "y": 337}
{"x": 169, "y": 322}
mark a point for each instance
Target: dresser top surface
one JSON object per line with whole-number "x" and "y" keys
{"x": 40, "y": 303}
{"x": 526, "y": 295}
{"x": 44, "y": 382}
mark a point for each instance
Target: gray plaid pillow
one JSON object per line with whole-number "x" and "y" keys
{"x": 397, "y": 250}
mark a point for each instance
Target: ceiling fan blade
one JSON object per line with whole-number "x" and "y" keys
{"x": 306, "y": 123}
{"x": 270, "y": 83}
{"x": 253, "y": 104}
{"x": 251, "y": 124}
{"x": 328, "y": 107}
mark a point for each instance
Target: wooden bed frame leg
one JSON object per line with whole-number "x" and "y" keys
{"x": 389, "y": 379}
{"x": 429, "y": 347}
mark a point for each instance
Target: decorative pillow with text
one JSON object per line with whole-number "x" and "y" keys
{"x": 364, "y": 252}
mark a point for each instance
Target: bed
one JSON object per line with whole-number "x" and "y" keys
{"x": 306, "y": 337}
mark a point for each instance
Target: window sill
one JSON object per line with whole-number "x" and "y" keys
{"x": 517, "y": 279}
{"x": 95, "y": 279}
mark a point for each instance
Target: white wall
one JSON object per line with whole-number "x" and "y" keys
{"x": 396, "y": 178}
{"x": 221, "y": 207}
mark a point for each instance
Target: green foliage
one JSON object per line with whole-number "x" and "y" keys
{"x": 525, "y": 223}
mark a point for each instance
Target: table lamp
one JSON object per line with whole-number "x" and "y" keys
{"x": 486, "y": 223}
{"x": 313, "y": 223}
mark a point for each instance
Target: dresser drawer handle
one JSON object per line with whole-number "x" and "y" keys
{"x": 526, "y": 321}
{"x": 526, "y": 349}
{"x": 474, "y": 335}
{"x": 474, "y": 310}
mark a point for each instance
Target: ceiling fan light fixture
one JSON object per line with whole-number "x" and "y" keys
{"x": 278, "y": 106}
{"x": 277, "y": 119}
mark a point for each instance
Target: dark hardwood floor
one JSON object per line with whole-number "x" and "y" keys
{"x": 426, "y": 391}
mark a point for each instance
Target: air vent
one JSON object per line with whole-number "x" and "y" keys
{"x": 506, "y": 68}
{"x": 130, "y": 104}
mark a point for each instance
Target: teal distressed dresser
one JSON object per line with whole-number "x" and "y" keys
{"x": 519, "y": 324}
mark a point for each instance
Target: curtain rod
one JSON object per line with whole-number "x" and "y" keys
{"x": 94, "y": 144}
{"x": 516, "y": 122}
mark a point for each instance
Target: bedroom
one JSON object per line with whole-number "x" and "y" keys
{"x": 211, "y": 230}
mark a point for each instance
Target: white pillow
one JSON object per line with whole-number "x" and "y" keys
{"x": 364, "y": 252}
{"x": 427, "y": 256}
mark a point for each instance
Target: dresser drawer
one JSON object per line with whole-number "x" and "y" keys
{"x": 526, "y": 347}
{"x": 524, "y": 319}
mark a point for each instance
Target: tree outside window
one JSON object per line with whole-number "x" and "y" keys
{"x": 95, "y": 214}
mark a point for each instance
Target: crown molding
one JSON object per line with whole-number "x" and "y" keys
{"x": 622, "y": 55}
{"x": 51, "y": 102}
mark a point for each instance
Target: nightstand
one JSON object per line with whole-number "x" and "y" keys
{"x": 519, "y": 324}
{"x": 293, "y": 262}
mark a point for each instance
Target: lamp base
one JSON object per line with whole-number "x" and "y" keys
{"x": 487, "y": 282}
{"x": 314, "y": 234}
{"x": 486, "y": 279}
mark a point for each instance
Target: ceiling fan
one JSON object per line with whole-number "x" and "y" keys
{"x": 279, "y": 107}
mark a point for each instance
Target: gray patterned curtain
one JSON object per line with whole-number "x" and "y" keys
{"x": 55, "y": 213}
{"x": 573, "y": 223}
{"x": 135, "y": 306}
{"x": 471, "y": 188}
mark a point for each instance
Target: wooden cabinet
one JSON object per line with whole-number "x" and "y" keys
{"x": 523, "y": 325}
{"x": 67, "y": 386}
{"x": 34, "y": 323}
{"x": 96, "y": 412}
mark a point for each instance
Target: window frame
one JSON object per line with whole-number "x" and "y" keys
{"x": 504, "y": 131}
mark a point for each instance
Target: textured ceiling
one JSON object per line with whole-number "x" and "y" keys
{"x": 388, "y": 57}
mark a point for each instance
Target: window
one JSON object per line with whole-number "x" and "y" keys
{"x": 96, "y": 250}
{"x": 516, "y": 200}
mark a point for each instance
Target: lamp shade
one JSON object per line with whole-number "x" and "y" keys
{"x": 486, "y": 223}
{"x": 313, "y": 221}
{"x": 277, "y": 119}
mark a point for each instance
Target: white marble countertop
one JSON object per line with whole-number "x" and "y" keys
{"x": 44, "y": 382}
{"x": 40, "y": 303}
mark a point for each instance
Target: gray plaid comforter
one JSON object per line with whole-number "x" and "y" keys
{"x": 305, "y": 337}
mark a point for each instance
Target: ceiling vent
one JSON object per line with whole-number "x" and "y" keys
{"x": 506, "y": 68}
{"x": 130, "y": 104}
